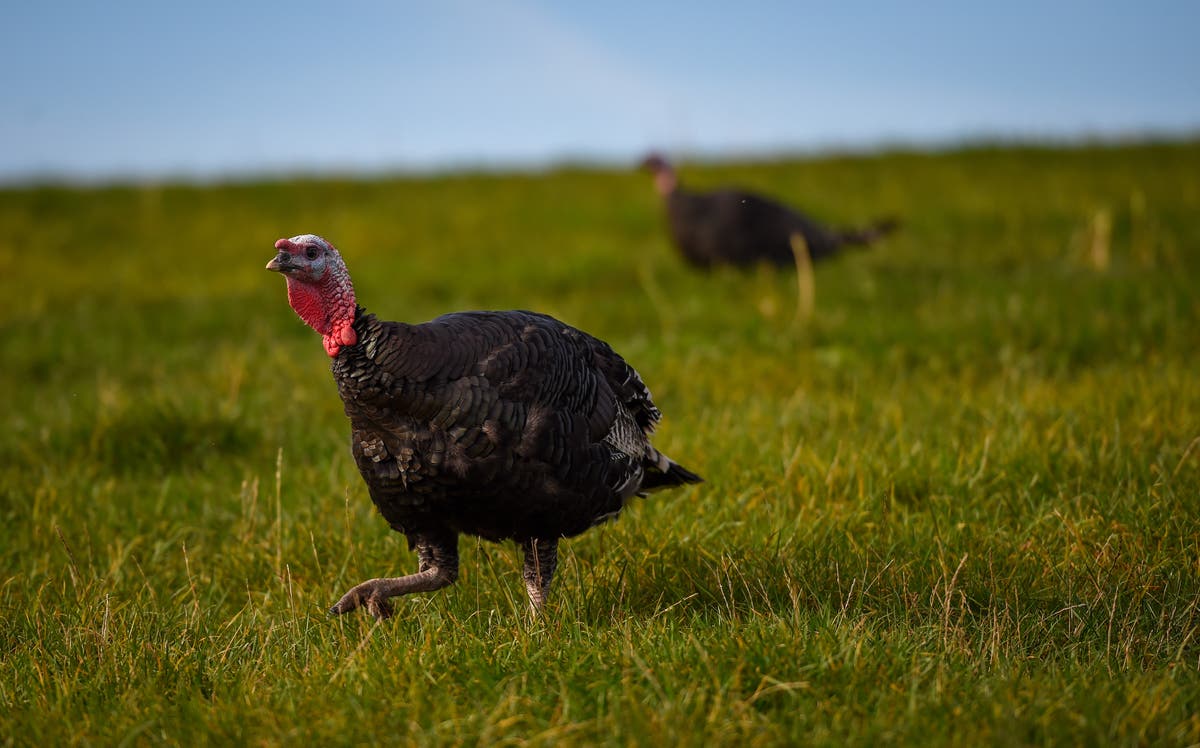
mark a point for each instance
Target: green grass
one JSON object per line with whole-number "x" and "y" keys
{"x": 959, "y": 505}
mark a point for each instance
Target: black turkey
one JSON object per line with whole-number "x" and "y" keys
{"x": 733, "y": 227}
{"x": 502, "y": 425}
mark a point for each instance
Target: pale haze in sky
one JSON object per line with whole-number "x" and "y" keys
{"x": 155, "y": 89}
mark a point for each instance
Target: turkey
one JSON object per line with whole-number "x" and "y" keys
{"x": 733, "y": 227}
{"x": 502, "y": 425}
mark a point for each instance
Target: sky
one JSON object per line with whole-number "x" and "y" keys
{"x": 146, "y": 90}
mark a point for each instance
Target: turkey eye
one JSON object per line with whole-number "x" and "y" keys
{"x": 312, "y": 253}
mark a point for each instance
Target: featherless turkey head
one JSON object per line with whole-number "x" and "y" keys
{"x": 319, "y": 288}
{"x": 664, "y": 176}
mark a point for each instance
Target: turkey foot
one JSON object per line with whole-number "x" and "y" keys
{"x": 369, "y": 594}
{"x": 438, "y": 569}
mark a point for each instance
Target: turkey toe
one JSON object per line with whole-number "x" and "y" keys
{"x": 351, "y": 600}
{"x": 380, "y": 608}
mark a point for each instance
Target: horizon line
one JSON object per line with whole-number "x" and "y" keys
{"x": 597, "y": 160}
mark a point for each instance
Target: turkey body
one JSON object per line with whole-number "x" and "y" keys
{"x": 503, "y": 425}
{"x": 735, "y": 227}
{"x": 740, "y": 228}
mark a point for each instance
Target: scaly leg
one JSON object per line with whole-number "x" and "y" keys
{"x": 438, "y": 568}
{"x": 541, "y": 557}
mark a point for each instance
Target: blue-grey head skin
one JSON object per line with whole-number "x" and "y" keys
{"x": 305, "y": 257}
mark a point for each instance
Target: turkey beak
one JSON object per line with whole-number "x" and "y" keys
{"x": 281, "y": 263}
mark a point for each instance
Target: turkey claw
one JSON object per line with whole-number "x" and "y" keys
{"x": 380, "y": 608}
{"x": 377, "y": 606}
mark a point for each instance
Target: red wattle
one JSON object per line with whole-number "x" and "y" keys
{"x": 343, "y": 330}
{"x": 327, "y": 306}
{"x": 307, "y": 302}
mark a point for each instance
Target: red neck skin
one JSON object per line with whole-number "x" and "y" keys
{"x": 664, "y": 181}
{"x": 327, "y": 306}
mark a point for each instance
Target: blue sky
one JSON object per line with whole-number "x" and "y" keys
{"x": 145, "y": 89}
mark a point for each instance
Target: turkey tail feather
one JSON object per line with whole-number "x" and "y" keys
{"x": 871, "y": 233}
{"x": 665, "y": 472}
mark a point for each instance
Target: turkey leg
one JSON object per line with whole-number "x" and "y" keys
{"x": 438, "y": 568}
{"x": 541, "y": 557}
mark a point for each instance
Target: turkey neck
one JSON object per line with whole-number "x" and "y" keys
{"x": 366, "y": 372}
{"x": 328, "y": 306}
{"x": 354, "y": 365}
{"x": 665, "y": 182}
{"x": 367, "y": 329}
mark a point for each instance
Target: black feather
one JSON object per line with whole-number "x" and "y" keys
{"x": 735, "y": 227}
{"x": 497, "y": 424}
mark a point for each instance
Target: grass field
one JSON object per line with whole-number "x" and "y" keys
{"x": 959, "y": 504}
